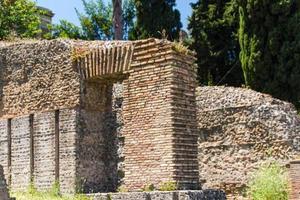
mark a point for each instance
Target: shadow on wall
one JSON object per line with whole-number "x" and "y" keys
{"x": 100, "y": 142}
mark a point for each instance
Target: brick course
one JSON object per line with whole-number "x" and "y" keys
{"x": 44, "y": 149}
{"x": 20, "y": 153}
{"x": 294, "y": 180}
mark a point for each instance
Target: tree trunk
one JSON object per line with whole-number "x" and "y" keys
{"x": 118, "y": 19}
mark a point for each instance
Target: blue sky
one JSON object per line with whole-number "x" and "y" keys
{"x": 65, "y": 9}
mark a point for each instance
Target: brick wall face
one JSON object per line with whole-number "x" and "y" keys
{"x": 159, "y": 123}
{"x": 294, "y": 178}
{"x": 184, "y": 124}
{"x": 148, "y": 127}
{"x": 44, "y": 149}
{"x": 20, "y": 153}
{"x": 68, "y": 122}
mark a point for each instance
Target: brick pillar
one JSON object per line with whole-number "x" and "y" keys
{"x": 160, "y": 118}
{"x": 185, "y": 146}
{"x": 294, "y": 174}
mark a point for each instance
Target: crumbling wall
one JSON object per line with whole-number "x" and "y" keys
{"x": 99, "y": 130}
{"x": 37, "y": 76}
{"x": 93, "y": 156}
{"x": 239, "y": 129}
{"x": 118, "y": 119}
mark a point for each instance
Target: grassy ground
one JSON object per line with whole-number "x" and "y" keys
{"x": 45, "y": 196}
{"x": 52, "y": 194}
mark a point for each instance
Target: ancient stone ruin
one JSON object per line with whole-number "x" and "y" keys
{"x": 97, "y": 115}
{"x": 239, "y": 130}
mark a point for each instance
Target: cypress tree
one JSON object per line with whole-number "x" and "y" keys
{"x": 154, "y": 17}
{"x": 269, "y": 36}
{"x": 213, "y": 26}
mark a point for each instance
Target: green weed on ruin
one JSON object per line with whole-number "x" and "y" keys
{"x": 53, "y": 194}
{"x": 180, "y": 48}
{"x": 148, "y": 188}
{"x": 269, "y": 182}
{"x": 168, "y": 186}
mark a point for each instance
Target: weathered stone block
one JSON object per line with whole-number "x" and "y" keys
{"x": 160, "y": 195}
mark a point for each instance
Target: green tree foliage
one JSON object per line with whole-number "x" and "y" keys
{"x": 155, "y": 16}
{"x": 213, "y": 26}
{"x": 128, "y": 17}
{"x": 65, "y": 29}
{"x": 96, "y": 22}
{"x": 269, "y": 36}
{"x": 19, "y": 18}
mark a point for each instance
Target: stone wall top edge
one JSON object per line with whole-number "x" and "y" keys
{"x": 24, "y": 43}
{"x": 237, "y": 96}
{"x": 168, "y": 58}
{"x": 72, "y": 42}
{"x": 93, "y": 44}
